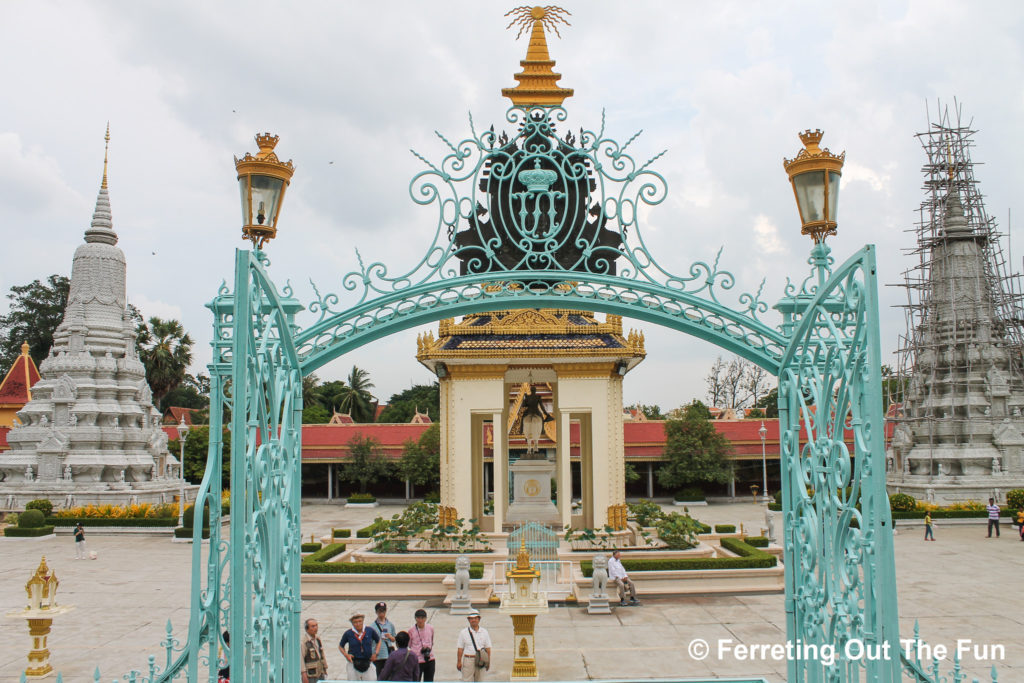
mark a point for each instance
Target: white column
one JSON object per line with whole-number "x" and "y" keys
{"x": 564, "y": 476}
{"x": 499, "y": 448}
{"x": 330, "y": 481}
{"x": 650, "y": 480}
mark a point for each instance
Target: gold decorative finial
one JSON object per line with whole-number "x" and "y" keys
{"x": 106, "y": 147}
{"x": 537, "y": 82}
{"x": 523, "y": 558}
{"x": 24, "y": 348}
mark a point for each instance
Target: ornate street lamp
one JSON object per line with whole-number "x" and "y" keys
{"x": 262, "y": 180}
{"x": 815, "y": 173}
{"x": 182, "y": 435}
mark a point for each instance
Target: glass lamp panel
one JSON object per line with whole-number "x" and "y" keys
{"x": 243, "y": 187}
{"x": 810, "y": 195}
{"x": 266, "y": 193}
{"x": 833, "y": 195}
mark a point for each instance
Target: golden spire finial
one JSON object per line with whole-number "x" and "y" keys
{"x": 537, "y": 82}
{"x": 523, "y": 558}
{"x": 106, "y": 147}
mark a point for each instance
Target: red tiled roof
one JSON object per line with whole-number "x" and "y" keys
{"x": 3, "y": 438}
{"x": 16, "y": 388}
{"x": 174, "y": 414}
{"x": 330, "y": 442}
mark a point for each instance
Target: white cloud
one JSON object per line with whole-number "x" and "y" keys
{"x": 767, "y": 235}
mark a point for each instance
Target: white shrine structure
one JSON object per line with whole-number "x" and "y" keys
{"x": 487, "y": 364}
{"x": 90, "y": 433}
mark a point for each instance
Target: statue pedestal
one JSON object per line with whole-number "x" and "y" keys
{"x": 531, "y": 498}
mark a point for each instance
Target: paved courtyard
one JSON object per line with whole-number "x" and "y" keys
{"x": 963, "y": 586}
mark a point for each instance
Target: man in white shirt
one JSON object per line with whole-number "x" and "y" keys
{"x": 473, "y": 641}
{"x": 617, "y": 573}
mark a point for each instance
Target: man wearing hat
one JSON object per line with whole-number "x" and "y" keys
{"x": 363, "y": 644}
{"x": 387, "y": 631}
{"x": 474, "y": 655}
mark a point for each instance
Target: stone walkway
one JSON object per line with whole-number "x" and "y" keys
{"x": 963, "y": 586}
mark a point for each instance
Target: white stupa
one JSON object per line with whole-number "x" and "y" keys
{"x": 90, "y": 434}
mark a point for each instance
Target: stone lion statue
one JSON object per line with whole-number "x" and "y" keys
{"x": 600, "y": 576}
{"x": 462, "y": 577}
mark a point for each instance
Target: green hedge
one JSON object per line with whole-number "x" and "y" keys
{"x": 725, "y": 528}
{"x": 361, "y": 498}
{"x": 949, "y": 514}
{"x": 310, "y": 547}
{"x": 476, "y": 569}
{"x": 108, "y": 521}
{"x": 757, "y": 541}
{"x": 325, "y": 553}
{"x": 704, "y": 528}
{"x": 775, "y": 507}
{"x": 186, "y": 532}
{"x": 692, "y": 494}
{"x": 365, "y": 532}
{"x": 750, "y": 558}
{"x": 341, "y": 533}
{"x": 31, "y": 519}
{"x": 22, "y": 532}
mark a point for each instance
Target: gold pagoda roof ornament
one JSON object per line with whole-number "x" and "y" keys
{"x": 538, "y": 84}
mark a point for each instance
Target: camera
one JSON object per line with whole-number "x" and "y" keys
{"x": 425, "y": 651}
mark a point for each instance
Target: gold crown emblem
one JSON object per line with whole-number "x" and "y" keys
{"x": 812, "y": 153}
{"x": 266, "y": 142}
{"x": 811, "y": 137}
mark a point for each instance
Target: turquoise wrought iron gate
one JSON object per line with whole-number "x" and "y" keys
{"x": 547, "y": 221}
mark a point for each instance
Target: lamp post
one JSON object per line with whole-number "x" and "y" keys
{"x": 182, "y": 435}
{"x": 814, "y": 173}
{"x": 262, "y": 181}
{"x": 762, "y": 432}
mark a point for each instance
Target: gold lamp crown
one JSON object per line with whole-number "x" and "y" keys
{"x": 814, "y": 173}
{"x": 538, "y": 84}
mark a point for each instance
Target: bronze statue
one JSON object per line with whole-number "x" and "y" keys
{"x": 534, "y": 417}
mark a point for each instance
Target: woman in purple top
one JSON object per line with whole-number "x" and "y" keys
{"x": 402, "y": 664}
{"x": 421, "y": 641}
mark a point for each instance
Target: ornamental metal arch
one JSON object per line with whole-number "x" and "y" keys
{"x": 555, "y": 223}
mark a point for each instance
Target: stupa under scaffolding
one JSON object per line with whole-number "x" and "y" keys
{"x": 958, "y": 392}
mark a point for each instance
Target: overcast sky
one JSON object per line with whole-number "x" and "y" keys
{"x": 351, "y": 87}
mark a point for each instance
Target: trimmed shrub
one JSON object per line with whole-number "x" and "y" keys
{"x": 190, "y": 515}
{"x": 725, "y": 528}
{"x": 901, "y": 502}
{"x": 1015, "y": 499}
{"x": 23, "y": 532}
{"x": 750, "y": 558}
{"x": 88, "y": 522}
{"x": 690, "y": 494}
{"x": 703, "y": 528}
{"x": 186, "y": 532}
{"x": 942, "y": 513}
{"x": 775, "y": 507}
{"x": 361, "y": 498}
{"x": 310, "y": 547}
{"x": 757, "y": 541}
{"x": 31, "y": 519}
{"x": 372, "y": 530}
{"x": 341, "y": 533}
{"x": 325, "y": 553}
{"x": 778, "y": 497}
{"x": 476, "y": 569}
{"x": 41, "y": 504}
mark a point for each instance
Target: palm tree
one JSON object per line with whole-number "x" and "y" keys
{"x": 166, "y": 351}
{"x": 356, "y": 399}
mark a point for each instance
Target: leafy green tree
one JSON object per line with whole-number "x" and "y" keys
{"x": 631, "y": 474}
{"x": 366, "y": 464}
{"x": 356, "y": 399}
{"x": 197, "y": 447}
{"x": 403, "y": 405}
{"x": 651, "y": 412}
{"x": 315, "y": 414}
{"x": 769, "y": 403}
{"x": 421, "y": 460}
{"x": 193, "y": 392}
{"x": 694, "y": 452}
{"x": 166, "y": 351}
{"x": 35, "y": 312}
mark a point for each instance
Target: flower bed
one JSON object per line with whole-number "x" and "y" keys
{"x": 118, "y": 512}
{"x": 113, "y": 521}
